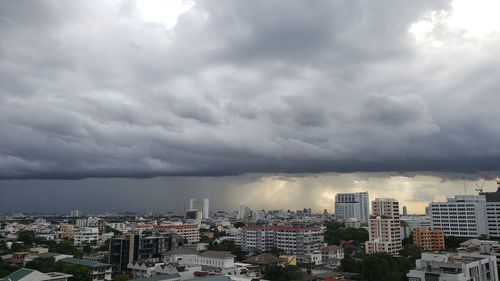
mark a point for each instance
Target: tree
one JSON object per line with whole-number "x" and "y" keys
{"x": 79, "y": 272}
{"x": 350, "y": 264}
{"x": 121, "y": 277}
{"x": 6, "y": 269}
{"x": 376, "y": 268}
{"x": 287, "y": 273}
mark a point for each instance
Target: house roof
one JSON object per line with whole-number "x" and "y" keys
{"x": 182, "y": 251}
{"x": 331, "y": 248}
{"x": 159, "y": 277}
{"x": 263, "y": 259}
{"x": 86, "y": 263}
{"x": 218, "y": 254}
{"x": 18, "y": 274}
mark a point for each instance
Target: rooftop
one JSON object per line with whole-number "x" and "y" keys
{"x": 86, "y": 263}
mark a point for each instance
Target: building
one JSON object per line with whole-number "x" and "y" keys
{"x": 462, "y": 216}
{"x": 25, "y": 274}
{"x": 352, "y": 223}
{"x": 428, "y": 239}
{"x": 130, "y": 248}
{"x": 352, "y": 205}
{"x": 190, "y": 232}
{"x": 243, "y": 212}
{"x": 493, "y": 212}
{"x": 75, "y": 213}
{"x": 454, "y": 267}
{"x": 384, "y": 227}
{"x": 86, "y": 236}
{"x": 200, "y": 205}
{"x": 292, "y": 240}
{"x": 98, "y": 270}
{"x": 415, "y": 221}
{"x": 332, "y": 253}
{"x": 67, "y": 230}
{"x": 192, "y": 215}
{"x": 218, "y": 259}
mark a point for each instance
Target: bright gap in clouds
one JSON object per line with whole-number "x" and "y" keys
{"x": 164, "y": 12}
{"x": 474, "y": 19}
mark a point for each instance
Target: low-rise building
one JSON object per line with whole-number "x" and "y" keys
{"x": 86, "y": 236}
{"x": 190, "y": 232}
{"x": 454, "y": 267}
{"x": 98, "y": 270}
{"x": 428, "y": 239}
{"x": 25, "y": 274}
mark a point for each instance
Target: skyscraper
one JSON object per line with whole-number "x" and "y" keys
{"x": 352, "y": 205}
{"x": 384, "y": 227}
{"x": 200, "y": 205}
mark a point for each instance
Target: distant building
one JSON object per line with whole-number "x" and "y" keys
{"x": 454, "y": 267}
{"x": 352, "y": 223}
{"x": 405, "y": 211}
{"x": 461, "y": 216}
{"x": 493, "y": 212}
{"x": 384, "y": 227}
{"x": 352, "y": 205}
{"x": 243, "y": 212}
{"x": 86, "y": 236}
{"x": 192, "y": 214}
{"x": 428, "y": 239}
{"x": 220, "y": 259}
{"x": 200, "y": 205}
{"x": 190, "y": 232}
{"x": 75, "y": 213}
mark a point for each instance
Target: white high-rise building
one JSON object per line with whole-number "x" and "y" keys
{"x": 200, "y": 205}
{"x": 352, "y": 205}
{"x": 243, "y": 212}
{"x": 384, "y": 227}
{"x": 462, "y": 216}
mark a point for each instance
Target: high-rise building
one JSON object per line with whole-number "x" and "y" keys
{"x": 405, "y": 211}
{"x": 352, "y": 205}
{"x": 428, "y": 239}
{"x": 75, "y": 213}
{"x": 461, "y": 216}
{"x": 493, "y": 212}
{"x": 243, "y": 212}
{"x": 200, "y": 205}
{"x": 384, "y": 227}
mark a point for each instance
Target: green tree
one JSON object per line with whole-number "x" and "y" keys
{"x": 239, "y": 224}
{"x": 350, "y": 264}
{"x": 6, "y": 269}
{"x": 287, "y": 273}
{"x": 376, "y": 268}
{"x": 121, "y": 277}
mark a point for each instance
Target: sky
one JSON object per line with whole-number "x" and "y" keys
{"x": 266, "y": 103}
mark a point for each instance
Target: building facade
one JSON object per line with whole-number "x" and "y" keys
{"x": 454, "y": 267}
{"x": 86, "y": 236}
{"x": 384, "y": 227}
{"x": 190, "y": 232}
{"x": 428, "y": 239}
{"x": 200, "y": 205}
{"x": 292, "y": 240}
{"x": 462, "y": 216}
{"x": 352, "y": 205}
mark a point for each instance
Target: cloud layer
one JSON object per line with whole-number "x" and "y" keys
{"x": 90, "y": 90}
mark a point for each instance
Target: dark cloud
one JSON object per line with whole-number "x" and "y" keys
{"x": 94, "y": 90}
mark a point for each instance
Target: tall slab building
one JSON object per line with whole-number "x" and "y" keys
{"x": 352, "y": 205}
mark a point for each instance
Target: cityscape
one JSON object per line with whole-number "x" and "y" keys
{"x": 238, "y": 140}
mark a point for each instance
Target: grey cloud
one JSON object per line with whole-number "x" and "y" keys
{"x": 238, "y": 87}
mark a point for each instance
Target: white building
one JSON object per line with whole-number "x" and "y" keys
{"x": 332, "y": 253}
{"x": 200, "y": 205}
{"x": 292, "y": 240}
{"x": 384, "y": 227}
{"x": 220, "y": 259}
{"x": 352, "y": 205}
{"x": 462, "y": 216}
{"x": 190, "y": 232}
{"x": 454, "y": 267}
{"x": 86, "y": 235}
{"x": 243, "y": 212}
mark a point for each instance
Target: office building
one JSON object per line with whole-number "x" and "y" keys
{"x": 75, "y": 213}
{"x": 384, "y": 227}
{"x": 462, "y": 216}
{"x": 200, "y": 205}
{"x": 352, "y": 205}
{"x": 243, "y": 212}
{"x": 454, "y": 267}
{"x": 428, "y": 239}
{"x": 493, "y": 212}
{"x": 133, "y": 247}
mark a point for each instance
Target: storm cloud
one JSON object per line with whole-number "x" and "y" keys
{"x": 235, "y": 87}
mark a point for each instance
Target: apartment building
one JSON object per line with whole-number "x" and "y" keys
{"x": 461, "y": 216}
{"x": 190, "y": 232}
{"x": 219, "y": 259}
{"x": 292, "y": 240}
{"x": 86, "y": 236}
{"x": 352, "y": 205}
{"x": 384, "y": 227}
{"x": 428, "y": 239}
{"x": 454, "y": 267}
